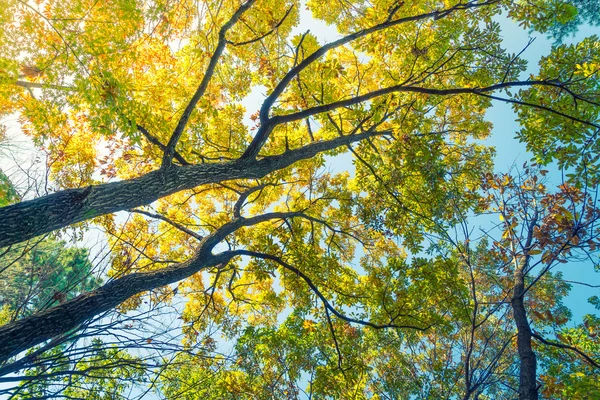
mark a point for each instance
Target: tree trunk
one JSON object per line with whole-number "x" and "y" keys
{"x": 28, "y": 332}
{"x": 528, "y": 389}
{"x": 28, "y": 219}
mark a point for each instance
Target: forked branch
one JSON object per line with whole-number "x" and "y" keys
{"x": 266, "y": 127}
{"x": 187, "y": 113}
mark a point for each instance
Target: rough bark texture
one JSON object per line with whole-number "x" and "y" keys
{"x": 28, "y": 219}
{"x": 528, "y": 389}
{"x": 28, "y": 332}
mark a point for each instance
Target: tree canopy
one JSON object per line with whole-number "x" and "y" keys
{"x": 243, "y": 262}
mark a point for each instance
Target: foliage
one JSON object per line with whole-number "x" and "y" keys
{"x": 333, "y": 241}
{"x": 8, "y": 193}
{"x": 575, "y": 13}
{"x": 42, "y": 275}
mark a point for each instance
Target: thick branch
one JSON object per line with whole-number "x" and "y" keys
{"x": 263, "y": 133}
{"x": 25, "y": 333}
{"x": 31, "y": 218}
{"x": 170, "y": 150}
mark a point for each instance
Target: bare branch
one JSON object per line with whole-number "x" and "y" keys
{"x": 170, "y": 222}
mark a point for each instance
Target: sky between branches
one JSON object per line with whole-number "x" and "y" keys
{"x": 18, "y": 152}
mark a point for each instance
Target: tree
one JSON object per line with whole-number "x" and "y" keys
{"x": 138, "y": 106}
{"x": 43, "y": 275}
{"x": 577, "y": 13}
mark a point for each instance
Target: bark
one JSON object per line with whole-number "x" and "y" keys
{"x": 28, "y": 219}
{"x": 528, "y": 389}
{"x": 28, "y": 332}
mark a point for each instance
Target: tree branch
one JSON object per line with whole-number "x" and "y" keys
{"x": 263, "y": 133}
{"x": 256, "y": 39}
{"x": 170, "y": 222}
{"x": 567, "y": 347}
{"x": 31, "y": 218}
{"x": 154, "y": 140}
{"x": 237, "y": 207}
{"x": 325, "y": 302}
{"x": 183, "y": 120}
{"x": 281, "y": 119}
{"x": 27, "y": 332}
